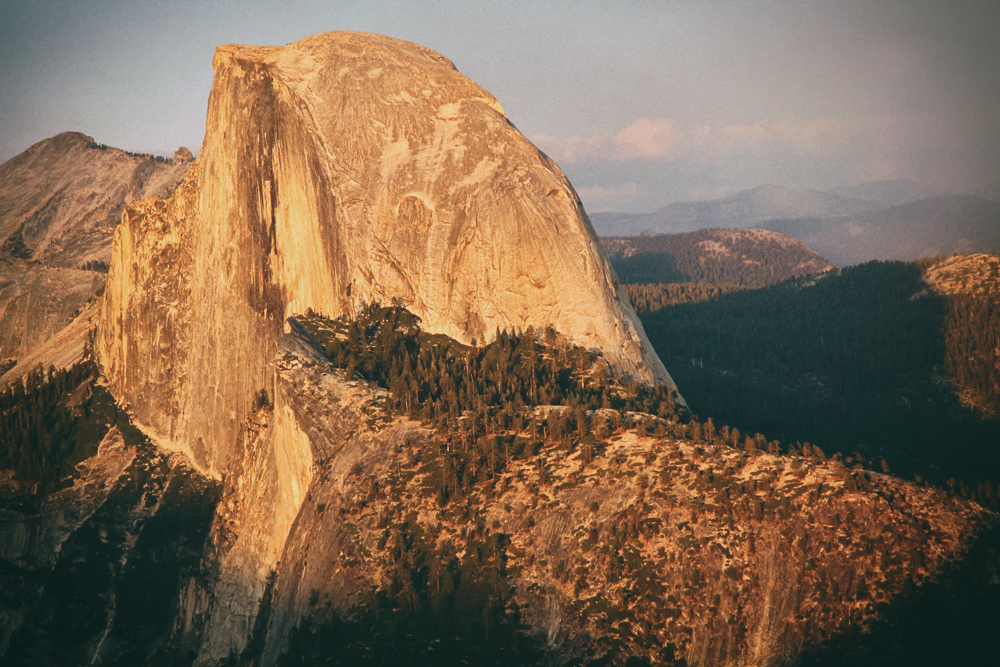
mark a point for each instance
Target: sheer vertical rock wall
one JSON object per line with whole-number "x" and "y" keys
{"x": 343, "y": 169}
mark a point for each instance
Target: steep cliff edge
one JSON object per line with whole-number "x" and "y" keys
{"x": 344, "y": 169}
{"x": 60, "y": 201}
{"x": 646, "y": 539}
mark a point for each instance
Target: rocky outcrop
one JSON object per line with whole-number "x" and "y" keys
{"x": 977, "y": 275}
{"x": 60, "y": 202}
{"x": 344, "y": 169}
{"x": 61, "y": 199}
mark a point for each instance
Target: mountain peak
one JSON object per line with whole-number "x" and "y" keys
{"x": 341, "y": 170}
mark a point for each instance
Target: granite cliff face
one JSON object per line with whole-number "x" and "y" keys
{"x": 347, "y": 169}
{"x": 60, "y": 202}
{"x": 340, "y": 170}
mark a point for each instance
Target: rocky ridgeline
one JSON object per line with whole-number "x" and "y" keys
{"x": 970, "y": 285}
{"x": 60, "y": 202}
{"x": 314, "y": 191}
{"x": 976, "y": 275}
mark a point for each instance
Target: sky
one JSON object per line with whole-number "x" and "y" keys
{"x": 640, "y": 103}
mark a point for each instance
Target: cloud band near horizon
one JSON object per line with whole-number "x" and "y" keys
{"x": 729, "y": 157}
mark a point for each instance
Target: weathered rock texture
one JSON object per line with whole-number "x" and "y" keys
{"x": 61, "y": 199}
{"x": 343, "y": 169}
{"x": 60, "y": 202}
{"x": 735, "y": 558}
{"x": 37, "y": 301}
{"x": 65, "y": 348}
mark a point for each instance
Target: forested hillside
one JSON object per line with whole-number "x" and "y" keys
{"x": 464, "y": 524}
{"x": 52, "y": 420}
{"x": 740, "y": 257}
{"x": 530, "y": 481}
{"x": 871, "y": 359}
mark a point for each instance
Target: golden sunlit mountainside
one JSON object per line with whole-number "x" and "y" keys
{"x": 60, "y": 202}
{"x": 362, "y": 387}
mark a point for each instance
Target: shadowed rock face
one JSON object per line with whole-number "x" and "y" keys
{"x": 343, "y": 169}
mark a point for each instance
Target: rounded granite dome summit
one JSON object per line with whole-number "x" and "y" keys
{"x": 343, "y": 169}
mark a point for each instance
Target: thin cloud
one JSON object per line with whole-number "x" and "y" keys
{"x": 665, "y": 140}
{"x": 622, "y": 192}
{"x": 649, "y": 138}
{"x": 645, "y": 138}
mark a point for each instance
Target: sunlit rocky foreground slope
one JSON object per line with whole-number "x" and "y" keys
{"x": 281, "y": 495}
{"x": 514, "y": 535}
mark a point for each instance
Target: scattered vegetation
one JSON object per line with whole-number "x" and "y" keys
{"x": 444, "y": 604}
{"x": 141, "y": 156}
{"x": 99, "y": 266}
{"x": 747, "y": 258}
{"x": 484, "y": 391}
{"x": 704, "y": 503}
{"x": 972, "y": 350}
{"x": 15, "y": 247}
{"x": 52, "y": 420}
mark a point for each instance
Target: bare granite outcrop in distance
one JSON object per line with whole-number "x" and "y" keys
{"x": 60, "y": 201}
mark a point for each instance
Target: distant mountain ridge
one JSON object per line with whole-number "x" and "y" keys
{"x": 886, "y": 193}
{"x": 64, "y": 196}
{"x": 60, "y": 201}
{"x": 925, "y": 228}
{"x": 744, "y": 209}
{"x": 877, "y": 220}
{"x": 740, "y": 257}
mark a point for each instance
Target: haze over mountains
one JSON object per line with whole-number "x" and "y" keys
{"x": 738, "y": 257}
{"x": 879, "y": 220}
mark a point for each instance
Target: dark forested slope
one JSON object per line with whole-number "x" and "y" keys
{"x": 869, "y": 359}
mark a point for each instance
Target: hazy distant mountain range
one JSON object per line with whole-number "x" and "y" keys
{"x": 925, "y": 228}
{"x": 878, "y": 220}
